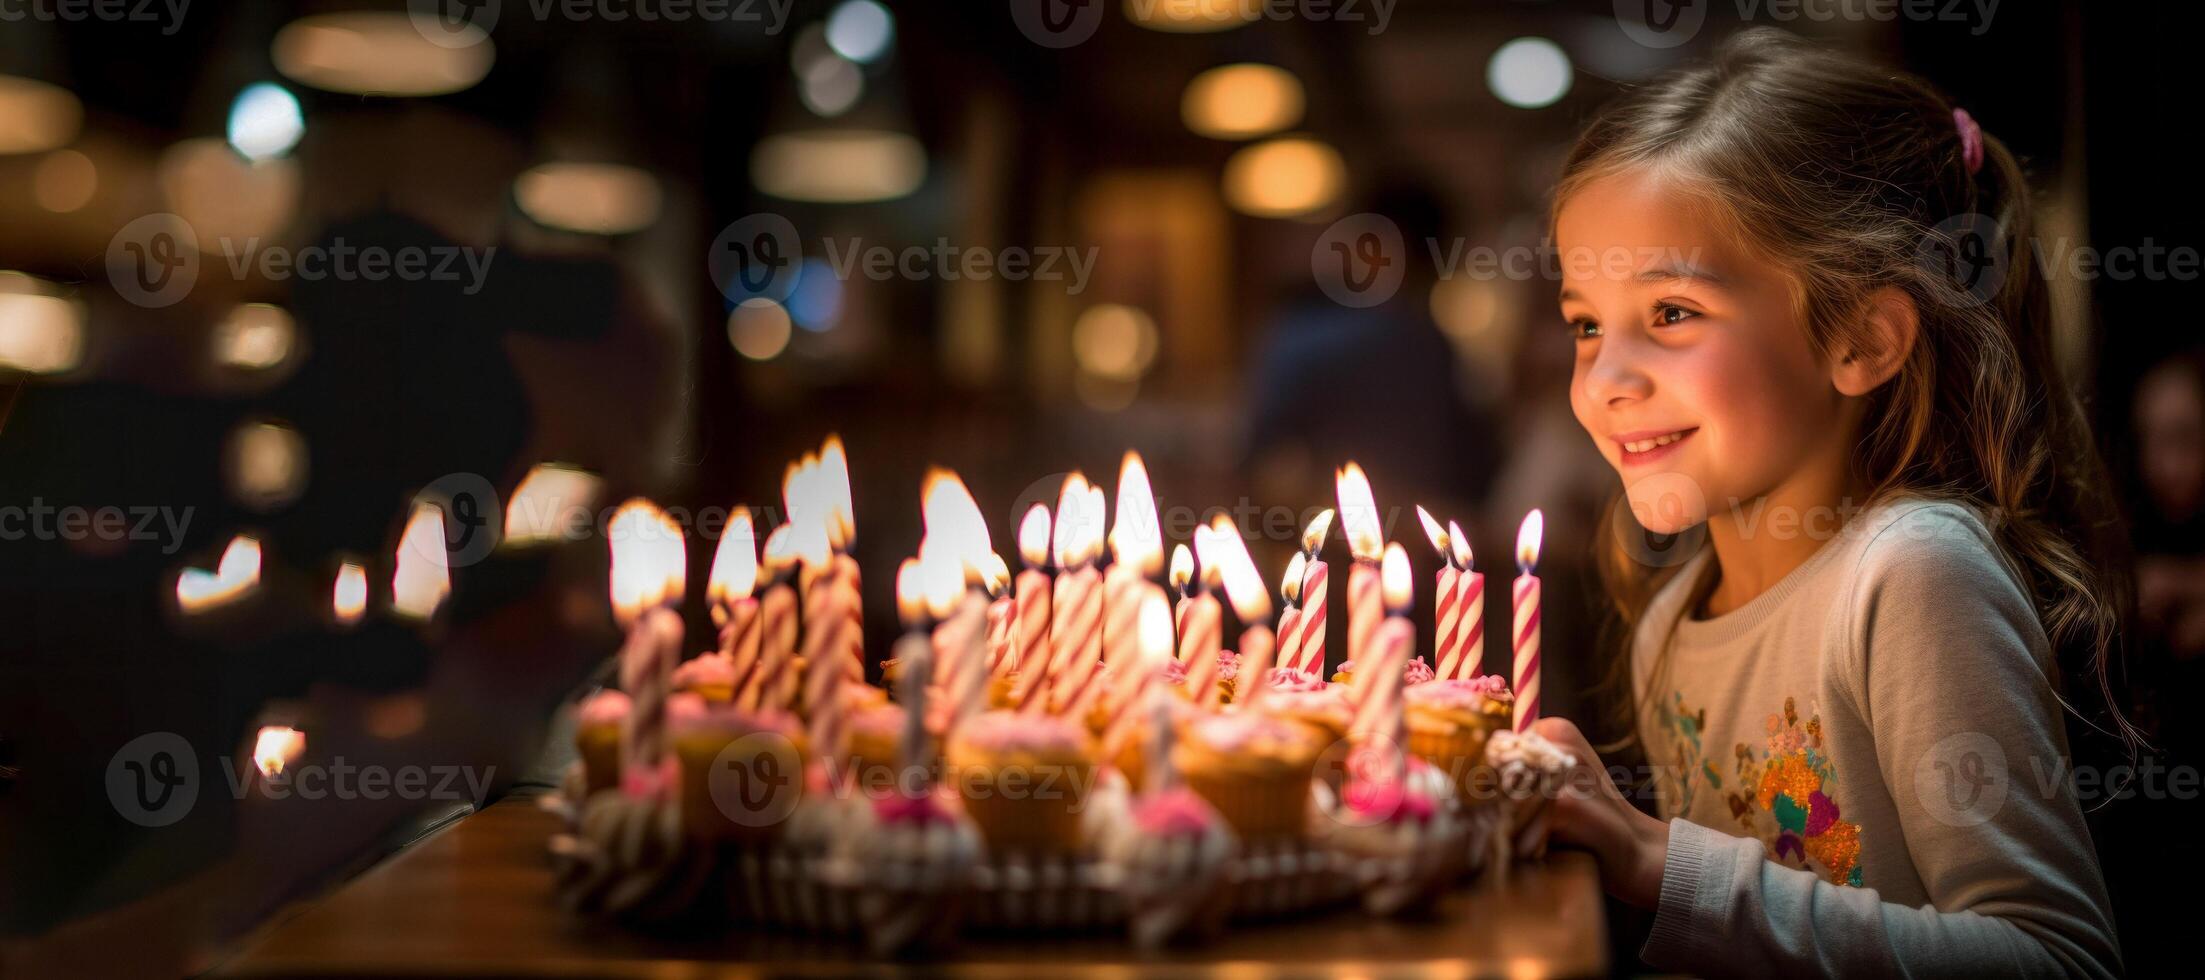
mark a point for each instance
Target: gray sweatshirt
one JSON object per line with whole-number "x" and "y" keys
{"x": 1864, "y": 767}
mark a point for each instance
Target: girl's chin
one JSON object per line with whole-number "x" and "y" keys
{"x": 1668, "y": 502}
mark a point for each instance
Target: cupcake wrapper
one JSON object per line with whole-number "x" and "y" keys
{"x": 1285, "y": 877}
{"x": 1044, "y": 892}
{"x": 1259, "y": 808}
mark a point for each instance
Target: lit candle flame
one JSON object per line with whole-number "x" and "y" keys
{"x": 240, "y": 566}
{"x": 1359, "y": 512}
{"x": 1227, "y": 552}
{"x": 952, "y": 519}
{"x": 1071, "y": 525}
{"x": 1033, "y": 536}
{"x": 1461, "y": 545}
{"x": 1136, "y": 537}
{"x": 349, "y": 597}
{"x": 1394, "y": 577}
{"x": 735, "y": 563}
{"x": 941, "y": 581}
{"x": 421, "y": 576}
{"x": 649, "y": 563}
{"x": 277, "y": 746}
{"x": 1527, "y": 540}
{"x": 1091, "y": 540}
{"x": 779, "y": 552}
{"x": 551, "y": 503}
{"x": 910, "y": 593}
{"x": 1313, "y": 537}
{"x": 1182, "y": 565}
{"x": 1155, "y": 630}
{"x": 1290, "y": 587}
{"x": 994, "y": 573}
{"x": 834, "y": 481}
{"x": 198, "y": 590}
{"x": 1438, "y": 535}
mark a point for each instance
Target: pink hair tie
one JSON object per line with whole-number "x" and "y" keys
{"x": 1971, "y": 140}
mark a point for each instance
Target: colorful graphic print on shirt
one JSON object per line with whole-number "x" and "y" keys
{"x": 1784, "y": 791}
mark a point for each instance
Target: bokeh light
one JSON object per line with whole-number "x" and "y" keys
{"x": 1284, "y": 178}
{"x": 265, "y": 121}
{"x": 379, "y": 53}
{"x": 758, "y": 328}
{"x": 860, "y": 30}
{"x": 839, "y": 166}
{"x": 592, "y": 198}
{"x": 254, "y": 337}
{"x": 831, "y": 85}
{"x": 1114, "y": 342}
{"x": 1242, "y": 101}
{"x": 267, "y": 467}
{"x": 1529, "y": 73}
{"x": 41, "y": 332}
{"x": 36, "y": 116}
{"x": 1192, "y": 16}
{"x": 64, "y": 181}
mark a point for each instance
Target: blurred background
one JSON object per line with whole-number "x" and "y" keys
{"x": 281, "y": 268}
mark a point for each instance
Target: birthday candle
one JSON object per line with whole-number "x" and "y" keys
{"x": 915, "y": 656}
{"x": 1313, "y": 593}
{"x": 1290, "y": 614}
{"x": 1001, "y": 613}
{"x": 1137, "y": 551}
{"x": 1527, "y": 619}
{"x": 1202, "y": 628}
{"x": 734, "y": 610}
{"x": 1076, "y": 631}
{"x": 1471, "y": 585}
{"x": 1138, "y": 681}
{"x": 1446, "y": 600}
{"x": 1251, "y": 604}
{"x": 1378, "y": 705}
{"x": 1366, "y": 605}
{"x": 1035, "y": 590}
{"x": 772, "y": 684}
{"x": 648, "y": 570}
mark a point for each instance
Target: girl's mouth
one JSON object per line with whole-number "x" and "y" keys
{"x": 1645, "y": 447}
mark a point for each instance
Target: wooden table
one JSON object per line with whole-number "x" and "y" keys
{"x": 476, "y": 898}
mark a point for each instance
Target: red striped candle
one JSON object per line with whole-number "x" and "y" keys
{"x": 1527, "y": 620}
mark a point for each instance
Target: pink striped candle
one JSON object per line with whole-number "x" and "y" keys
{"x": 1527, "y": 620}
{"x": 1446, "y": 600}
{"x": 1472, "y": 603}
{"x": 1378, "y": 678}
{"x": 1135, "y": 683}
{"x": 1309, "y": 644}
{"x": 1030, "y": 622}
{"x": 1366, "y": 542}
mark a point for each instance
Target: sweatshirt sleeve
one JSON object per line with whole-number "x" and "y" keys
{"x": 1948, "y": 669}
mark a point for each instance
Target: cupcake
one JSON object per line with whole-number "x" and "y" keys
{"x": 710, "y": 676}
{"x": 1531, "y": 770}
{"x": 1405, "y": 837}
{"x": 597, "y": 739}
{"x": 1415, "y": 672}
{"x": 752, "y": 756}
{"x": 1024, "y": 780}
{"x": 1253, "y": 768}
{"x": 876, "y": 747}
{"x": 1449, "y": 722}
{"x": 1171, "y": 860}
{"x": 912, "y": 869}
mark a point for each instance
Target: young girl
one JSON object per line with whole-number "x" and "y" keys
{"x": 1792, "y": 344}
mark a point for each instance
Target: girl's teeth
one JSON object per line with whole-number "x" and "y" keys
{"x": 1649, "y": 445}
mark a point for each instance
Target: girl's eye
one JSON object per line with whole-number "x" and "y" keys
{"x": 1669, "y": 315}
{"x": 1584, "y": 329}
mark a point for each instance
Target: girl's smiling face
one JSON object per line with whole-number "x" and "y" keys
{"x": 1695, "y": 375}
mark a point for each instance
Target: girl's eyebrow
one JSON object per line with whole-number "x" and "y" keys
{"x": 1679, "y": 271}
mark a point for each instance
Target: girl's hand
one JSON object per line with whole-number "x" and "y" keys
{"x": 1632, "y": 847}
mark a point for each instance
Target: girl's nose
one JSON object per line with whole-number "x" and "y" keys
{"x": 1618, "y": 371}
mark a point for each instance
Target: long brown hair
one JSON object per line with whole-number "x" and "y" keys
{"x": 1854, "y": 177}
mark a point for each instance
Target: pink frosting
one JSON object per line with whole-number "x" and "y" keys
{"x": 708, "y": 669}
{"x": 1459, "y": 693}
{"x": 1388, "y": 800}
{"x": 1175, "y": 671}
{"x": 1291, "y": 680}
{"x": 1228, "y": 665}
{"x": 1174, "y": 811}
{"x": 1236, "y": 731}
{"x": 1417, "y": 672}
{"x": 644, "y": 782}
{"x": 606, "y": 707}
{"x": 1003, "y": 729}
{"x": 684, "y": 706}
{"x": 728, "y": 719}
{"x": 922, "y": 809}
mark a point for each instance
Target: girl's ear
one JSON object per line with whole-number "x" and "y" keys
{"x": 1890, "y": 324}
